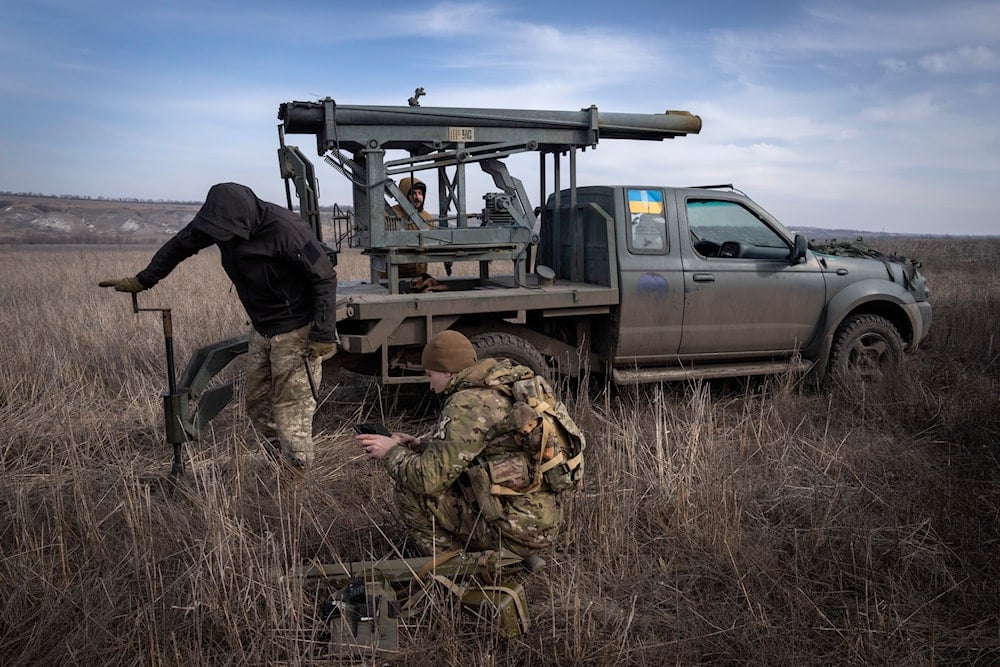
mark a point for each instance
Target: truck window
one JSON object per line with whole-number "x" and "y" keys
{"x": 649, "y": 226}
{"x": 713, "y": 222}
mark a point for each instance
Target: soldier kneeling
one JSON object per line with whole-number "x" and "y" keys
{"x": 480, "y": 480}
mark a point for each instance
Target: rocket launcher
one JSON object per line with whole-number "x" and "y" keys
{"x": 372, "y": 145}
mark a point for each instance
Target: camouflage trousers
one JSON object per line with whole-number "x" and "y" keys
{"x": 448, "y": 521}
{"x": 279, "y": 400}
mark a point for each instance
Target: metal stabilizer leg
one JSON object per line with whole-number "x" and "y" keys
{"x": 171, "y": 399}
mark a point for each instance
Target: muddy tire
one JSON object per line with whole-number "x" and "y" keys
{"x": 866, "y": 348}
{"x": 502, "y": 345}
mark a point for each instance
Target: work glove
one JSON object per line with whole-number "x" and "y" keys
{"x": 123, "y": 284}
{"x": 320, "y": 350}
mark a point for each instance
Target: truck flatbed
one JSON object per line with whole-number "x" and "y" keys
{"x": 374, "y": 305}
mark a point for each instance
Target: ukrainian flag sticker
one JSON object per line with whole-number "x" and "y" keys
{"x": 645, "y": 201}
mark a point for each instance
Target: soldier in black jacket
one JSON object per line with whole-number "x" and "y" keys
{"x": 289, "y": 289}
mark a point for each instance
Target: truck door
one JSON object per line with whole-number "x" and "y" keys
{"x": 741, "y": 294}
{"x": 652, "y": 292}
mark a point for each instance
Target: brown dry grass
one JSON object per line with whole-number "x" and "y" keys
{"x": 720, "y": 523}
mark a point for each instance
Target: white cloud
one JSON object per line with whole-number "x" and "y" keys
{"x": 516, "y": 54}
{"x": 828, "y": 107}
{"x": 447, "y": 20}
{"x": 920, "y": 106}
{"x": 840, "y": 30}
{"x": 894, "y": 65}
{"x": 963, "y": 59}
{"x": 752, "y": 114}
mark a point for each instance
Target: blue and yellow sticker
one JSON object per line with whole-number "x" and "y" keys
{"x": 645, "y": 201}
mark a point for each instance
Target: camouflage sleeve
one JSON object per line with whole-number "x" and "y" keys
{"x": 466, "y": 424}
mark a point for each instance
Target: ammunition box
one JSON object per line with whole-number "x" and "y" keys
{"x": 503, "y": 604}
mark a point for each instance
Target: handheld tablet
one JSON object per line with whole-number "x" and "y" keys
{"x": 374, "y": 428}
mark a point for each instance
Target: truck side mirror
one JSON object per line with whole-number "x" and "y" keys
{"x": 798, "y": 253}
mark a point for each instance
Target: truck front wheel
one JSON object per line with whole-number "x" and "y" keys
{"x": 866, "y": 347}
{"x": 502, "y": 345}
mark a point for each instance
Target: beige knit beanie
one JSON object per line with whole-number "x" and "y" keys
{"x": 448, "y": 352}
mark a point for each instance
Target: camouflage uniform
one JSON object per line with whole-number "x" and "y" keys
{"x": 279, "y": 400}
{"x": 430, "y": 485}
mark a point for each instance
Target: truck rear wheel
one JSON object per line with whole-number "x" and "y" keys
{"x": 865, "y": 347}
{"x": 502, "y": 345}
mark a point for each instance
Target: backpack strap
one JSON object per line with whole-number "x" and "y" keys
{"x": 549, "y": 455}
{"x": 553, "y": 462}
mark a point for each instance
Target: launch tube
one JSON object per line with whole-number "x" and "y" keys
{"x": 313, "y": 117}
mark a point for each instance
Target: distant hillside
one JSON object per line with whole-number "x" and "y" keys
{"x": 822, "y": 234}
{"x": 45, "y": 219}
{"x": 31, "y": 219}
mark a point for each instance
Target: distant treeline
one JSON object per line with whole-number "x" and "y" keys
{"x": 124, "y": 200}
{"x": 83, "y": 237}
{"x": 132, "y": 200}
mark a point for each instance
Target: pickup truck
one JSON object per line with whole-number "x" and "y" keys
{"x": 639, "y": 283}
{"x": 650, "y": 283}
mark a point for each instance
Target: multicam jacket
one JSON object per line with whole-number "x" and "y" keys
{"x": 471, "y": 430}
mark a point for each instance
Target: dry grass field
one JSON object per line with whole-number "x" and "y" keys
{"x": 723, "y": 523}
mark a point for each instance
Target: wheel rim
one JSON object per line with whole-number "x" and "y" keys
{"x": 870, "y": 356}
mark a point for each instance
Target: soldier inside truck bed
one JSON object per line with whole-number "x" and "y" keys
{"x": 415, "y": 191}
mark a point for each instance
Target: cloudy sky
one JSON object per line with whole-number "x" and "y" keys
{"x": 878, "y": 115}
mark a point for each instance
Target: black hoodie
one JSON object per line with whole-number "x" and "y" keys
{"x": 282, "y": 276}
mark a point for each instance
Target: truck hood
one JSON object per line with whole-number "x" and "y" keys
{"x": 896, "y": 268}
